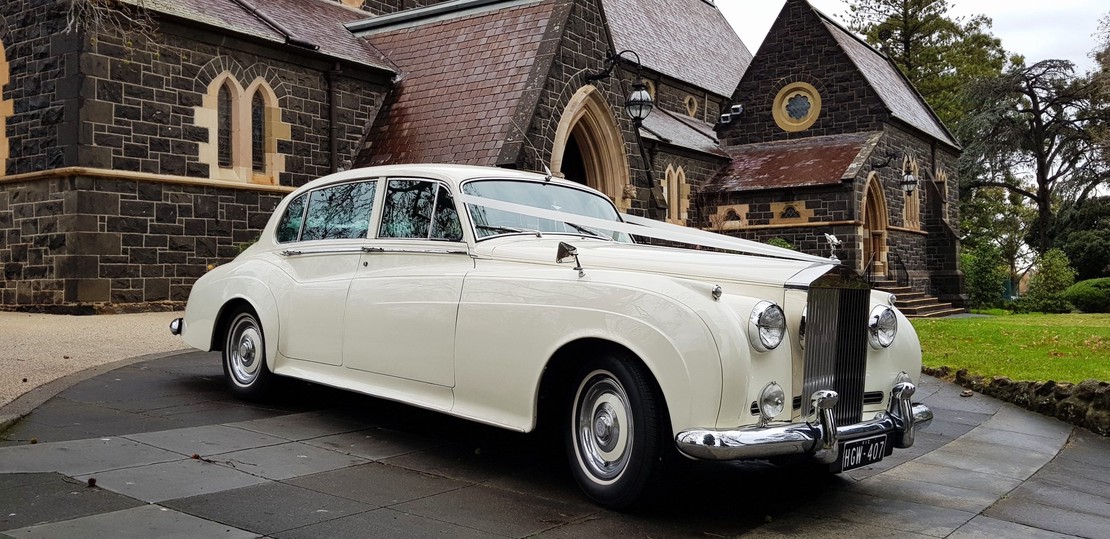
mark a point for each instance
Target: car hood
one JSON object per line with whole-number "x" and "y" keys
{"x": 684, "y": 263}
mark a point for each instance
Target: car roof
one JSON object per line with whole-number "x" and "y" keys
{"x": 452, "y": 174}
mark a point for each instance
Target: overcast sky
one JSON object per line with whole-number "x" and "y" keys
{"x": 1038, "y": 29}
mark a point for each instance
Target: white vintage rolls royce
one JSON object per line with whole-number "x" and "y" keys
{"x": 516, "y": 299}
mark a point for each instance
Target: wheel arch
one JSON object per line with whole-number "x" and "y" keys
{"x": 561, "y": 366}
{"x": 266, "y": 315}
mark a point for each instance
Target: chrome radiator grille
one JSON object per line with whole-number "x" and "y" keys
{"x": 836, "y": 347}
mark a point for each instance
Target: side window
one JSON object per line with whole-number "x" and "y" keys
{"x": 289, "y": 229}
{"x": 408, "y": 209}
{"x": 445, "y": 224}
{"x": 339, "y": 212}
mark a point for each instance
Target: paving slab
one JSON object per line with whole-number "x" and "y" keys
{"x": 813, "y": 527}
{"x": 982, "y": 527}
{"x": 302, "y": 426}
{"x": 287, "y": 460}
{"x": 1022, "y": 510}
{"x": 887, "y": 513}
{"x": 268, "y": 508}
{"x": 1080, "y": 477}
{"x": 52, "y": 497}
{"x": 1015, "y": 441}
{"x": 498, "y": 511}
{"x": 1014, "y": 419}
{"x": 952, "y": 475}
{"x": 918, "y": 491}
{"x": 79, "y": 457}
{"x": 374, "y": 444}
{"x": 142, "y": 522}
{"x": 378, "y": 484}
{"x": 456, "y": 461}
{"x": 206, "y": 440}
{"x": 984, "y": 458}
{"x": 169, "y": 480}
{"x": 97, "y": 419}
{"x": 383, "y": 523}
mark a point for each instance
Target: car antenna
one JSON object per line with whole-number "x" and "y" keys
{"x": 547, "y": 171}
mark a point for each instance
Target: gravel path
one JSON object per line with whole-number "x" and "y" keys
{"x": 38, "y": 348}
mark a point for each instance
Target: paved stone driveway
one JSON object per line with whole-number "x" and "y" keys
{"x": 173, "y": 455}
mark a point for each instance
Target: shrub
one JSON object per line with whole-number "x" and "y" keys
{"x": 779, "y": 242}
{"x": 1091, "y": 296}
{"x": 985, "y": 276}
{"x": 1046, "y": 289}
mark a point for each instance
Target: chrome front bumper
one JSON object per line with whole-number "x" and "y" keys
{"x": 819, "y": 437}
{"x": 177, "y": 326}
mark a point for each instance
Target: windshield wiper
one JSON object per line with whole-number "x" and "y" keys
{"x": 589, "y": 231}
{"x": 509, "y": 229}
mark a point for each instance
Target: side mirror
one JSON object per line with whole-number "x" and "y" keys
{"x": 566, "y": 252}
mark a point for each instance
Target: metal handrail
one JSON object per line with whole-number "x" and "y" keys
{"x": 901, "y": 272}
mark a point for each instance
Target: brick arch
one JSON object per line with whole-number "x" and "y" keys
{"x": 875, "y": 218}
{"x": 589, "y": 121}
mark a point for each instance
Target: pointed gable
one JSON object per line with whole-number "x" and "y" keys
{"x": 689, "y": 40}
{"x": 857, "y": 88}
{"x": 903, "y": 101}
{"x": 462, "y": 76}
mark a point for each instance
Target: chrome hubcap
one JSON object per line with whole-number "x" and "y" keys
{"x": 244, "y": 346}
{"x": 603, "y": 432}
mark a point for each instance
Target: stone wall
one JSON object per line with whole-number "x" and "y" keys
{"x": 1086, "y": 404}
{"x": 93, "y": 240}
{"x": 43, "y": 63}
{"x": 671, "y": 95}
{"x": 698, "y": 168}
{"x": 141, "y": 99}
{"x": 581, "y": 49}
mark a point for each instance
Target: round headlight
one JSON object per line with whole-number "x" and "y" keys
{"x": 771, "y": 401}
{"x": 767, "y": 326}
{"x": 882, "y": 327}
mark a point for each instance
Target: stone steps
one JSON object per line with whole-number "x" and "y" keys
{"x": 915, "y": 304}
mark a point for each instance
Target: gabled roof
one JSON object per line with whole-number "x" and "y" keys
{"x": 315, "y": 22}
{"x": 804, "y": 162}
{"x": 462, "y": 76}
{"x": 689, "y": 40}
{"x": 681, "y": 131}
{"x": 896, "y": 91}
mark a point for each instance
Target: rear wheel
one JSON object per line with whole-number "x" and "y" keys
{"x": 244, "y": 357}
{"x": 616, "y": 439}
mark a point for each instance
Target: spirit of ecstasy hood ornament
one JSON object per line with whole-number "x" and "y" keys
{"x": 833, "y": 244}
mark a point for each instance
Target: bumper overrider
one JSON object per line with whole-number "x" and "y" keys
{"x": 819, "y": 436}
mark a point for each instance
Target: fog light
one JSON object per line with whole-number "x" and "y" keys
{"x": 772, "y": 401}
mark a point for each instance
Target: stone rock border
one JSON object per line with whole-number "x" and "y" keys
{"x": 1086, "y": 404}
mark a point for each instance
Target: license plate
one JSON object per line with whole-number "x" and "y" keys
{"x": 858, "y": 453}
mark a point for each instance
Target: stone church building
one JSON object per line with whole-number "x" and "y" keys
{"x": 134, "y": 157}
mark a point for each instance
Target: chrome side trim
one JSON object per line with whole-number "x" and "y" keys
{"x": 324, "y": 251}
{"x": 819, "y": 439}
{"x": 415, "y": 251}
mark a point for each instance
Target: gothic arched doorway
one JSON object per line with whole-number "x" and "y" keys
{"x": 875, "y": 221}
{"x": 589, "y": 147}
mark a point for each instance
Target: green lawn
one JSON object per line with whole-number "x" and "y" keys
{"x": 1028, "y": 347}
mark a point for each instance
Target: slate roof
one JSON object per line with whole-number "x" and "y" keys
{"x": 681, "y": 131}
{"x": 804, "y": 162}
{"x": 461, "y": 77}
{"x": 319, "y": 22}
{"x": 904, "y": 102}
{"x": 689, "y": 40}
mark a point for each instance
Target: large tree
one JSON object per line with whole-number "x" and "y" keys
{"x": 940, "y": 54}
{"x": 1038, "y": 123}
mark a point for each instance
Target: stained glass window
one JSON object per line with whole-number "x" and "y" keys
{"x": 223, "y": 123}
{"x": 797, "y": 107}
{"x": 258, "y": 132}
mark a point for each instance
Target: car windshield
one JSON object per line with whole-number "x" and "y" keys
{"x": 544, "y": 196}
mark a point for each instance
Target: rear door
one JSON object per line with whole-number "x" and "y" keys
{"x": 404, "y": 299}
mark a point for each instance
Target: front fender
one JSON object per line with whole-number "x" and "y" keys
{"x": 212, "y": 295}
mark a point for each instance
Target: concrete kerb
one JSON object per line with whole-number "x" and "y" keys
{"x": 26, "y": 403}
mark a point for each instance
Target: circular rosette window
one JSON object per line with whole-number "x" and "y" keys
{"x": 797, "y": 107}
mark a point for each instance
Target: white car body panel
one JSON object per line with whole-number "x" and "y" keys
{"x": 469, "y": 327}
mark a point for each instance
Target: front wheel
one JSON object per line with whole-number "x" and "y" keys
{"x": 616, "y": 440}
{"x": 244, "y": 357}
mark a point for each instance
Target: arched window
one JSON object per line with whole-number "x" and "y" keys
{"x": 912, "y": 213}
{"x": 258, "y": 132}
{"x": 224, "y": 122}
{"x": 5, "y": 110}
{"x": 677, "y": 195}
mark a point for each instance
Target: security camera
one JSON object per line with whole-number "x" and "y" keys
{"x": 726, "y": 118}
{"x": 737, "y": 110}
